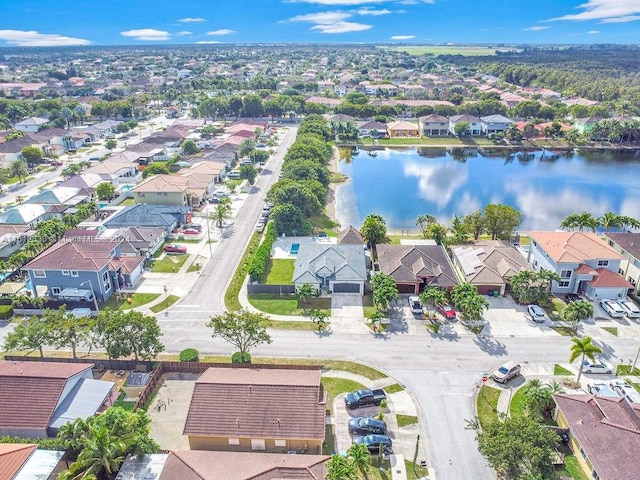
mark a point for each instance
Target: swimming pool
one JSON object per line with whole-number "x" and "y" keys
{"x": 294, "y": 248}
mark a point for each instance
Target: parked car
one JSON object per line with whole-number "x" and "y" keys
{"x": 364, "y": 397}
{"x": 626, "y": 390}
{"x": 601, "y": 389}
{"x": 596, "y": 367}
{"x": 56, "y": 163}
{"x": 259, "y": 227}
{"x": 415, "y": 305}
{"x": 537, "y": 313}
{"x": 234, "y": 174}
{"x": 367, "y": 426}
{"x": 190, "y": 231}
{"x": 214, "y": 200}
{"x": 373, "y": 443}
{"x": 506, "y": 372}
{"x": 612, "y": 308}
{"x": 631, "y": 310}
{"x": 195, "y": 226}
{"x": 322, "y": 235}
{"x": 572, "y": 297}
{"x": 447, "y": 311}
{"x": 174, "y": 248}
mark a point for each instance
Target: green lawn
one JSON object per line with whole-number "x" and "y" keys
{"x": 288, "y": 304}
{"x": 120, "y": 402}
{"x": 556, "y": 309}
{"x": 367, "y": 305}
{"x": 166, "y": 303}
{"x": 517, "y": 407}
{"x": 169, "y": 263}
{"x": 564, "y": 331}
{"x": 487, "y": 404}
{"x": 572, "y": 469}
{"x": 431, "y": 142}
{"x": 231, "y": 295}
{"x": 279, "y": 271}
{"x": 560, "y": 370}
{"x": 137, "y": 300}
{"x": 294, "y": 325}
{"x": 404, "y": 420}
{"x": 414, "y": 472}
{"x": 395, "y": 388}
{"x": 612, "y": 330}
{"x": 322, "y": 222}
{"x": 336, "y": 386}
{"x": 626, "y": 370}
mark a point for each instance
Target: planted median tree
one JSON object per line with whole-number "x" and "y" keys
{"x": 243, "y": 329}
{"x": 384, "y": 289}
{"x": 577, "y": 312}
{"x": 127, "y": 333}
{"x": 32, "y": 334}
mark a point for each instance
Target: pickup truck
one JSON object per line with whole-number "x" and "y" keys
{"x": 364, "y": 398}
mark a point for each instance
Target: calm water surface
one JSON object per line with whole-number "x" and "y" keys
{"x": 401, "y": 184}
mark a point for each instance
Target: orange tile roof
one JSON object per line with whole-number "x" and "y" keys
{"x": 607, "y": 278}
{"x": 574, "y": 247}
{"x": 13, "y": 457}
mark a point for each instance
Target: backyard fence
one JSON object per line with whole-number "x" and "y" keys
{"x": 271, "y": 289}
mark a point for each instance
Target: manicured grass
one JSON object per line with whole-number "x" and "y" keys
{"x": 322, "y": 222}
{"x": 572, "y": 469}
{"x": 626, "y": 370}
{"x": 120, "y": 402}
{"x": 404, "y": 420}
{"x": 564, "y": 331}
{"x": 279, "y": 271}
{"x": 367, "y": 305}
{"x": 194, "y": 267}
{"x": 336, "y": 386}
{"x": 354, "y": 367}
{"x": 328, "y": 446}
{"x": 137, "y": 300}
{"x": 169, "y": 263}
{"x": 517, "y": 407}
{"x": 231, "y": 295}
{"x": 556, "y": 309}
{"x": 612, "y": 330}
{"x": 128, "y": 201}
{"x": 395, "y": 388}
{"x": 166, "y": 303}
{"x": 432, "y": 142}
{"x": 337, "y": 177}
{"x": 414, "y": 471}
{"x": 288, "y": 304}
{"x": 560, "y": 370}
{"x": 293, "y": 325}
{"x": 487, "y": 404}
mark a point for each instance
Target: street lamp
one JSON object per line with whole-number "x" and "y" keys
{"x": 93, "y": 294}
{"x": 166, "y": 300}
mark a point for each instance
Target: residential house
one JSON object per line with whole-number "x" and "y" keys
{"x": 101, "y": 267}
{"x": 167, "y": 217}
{"x": 582, "y": 260}
{"x": 272, "y": 410}
{"x": 403, "y": 129}
{"x": 434, "y": 125}
{"x": 511, "y": 99}
{"x": 105, "y": 128}
{"x": 341, "y": 90}
{"x": 62, "y": 195}
{"x": 116, "y": 170}
{"x": 488, "y": 264}
{"x": 350, "y": 236}
{"x": 627, "y": 244}
{"x": 211, "y": 465}
{"x": 415, "y": 267}
{"x": 604, "y": 434}
{"x": 585, "y": 124}
{"x": 225, "y": 153}
{"x": 143, "y": 241}
{"x": 372, "y": 129}
{"x": 13, "y": 238}
{"x": 338, "y": 268}
{"x": 37, "y": 398}
{"x": 494, "y": 124}
{"x": 24, "y": 461}
{"x": 329, "y": 102}
{"x": 474, "y": 128}
{"x": 12, "y": 150}
{"x": 31, "y": 124}
{"x": 28, "y": 214}
{"x": 181, "y": 190}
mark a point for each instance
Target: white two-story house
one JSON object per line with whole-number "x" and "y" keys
{"x": 584, "y": 262}
{"x": 627, "y": 244}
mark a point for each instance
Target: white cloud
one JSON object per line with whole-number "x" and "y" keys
{"x": 535, "y": 28}
{"x": 208, "y": 42}
{"x": 342, "y": 27}
{"x": 593, "y": 32}
{"x": 340, "y": 2}
{"x": 32, "y": 38}
{"x": 222, "y": 31}
{"x": 371, "y": 11}
{"x": 192, "y": 20}
{"x": 322, "y": 18}
{"x": 628, "y": 18}
{"x": 147, "y": 34}
{"x": 402, "y": 37}
{"x": 183, "y": 33}
{"x": 606, "y": 10}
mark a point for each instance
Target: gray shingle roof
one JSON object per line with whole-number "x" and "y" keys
{"x": 147, "y": 216}
{"x": 342, "y": 263}
{"x": 412, "y": 263}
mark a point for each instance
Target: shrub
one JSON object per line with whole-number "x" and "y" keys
{"x": 239, "y": 358}
{"x": 260, "y": 259}
{"x": 6, "y": 312}
{"x": 189, "y": 355}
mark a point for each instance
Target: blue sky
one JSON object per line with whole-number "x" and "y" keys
{"x": 75, "y": 22}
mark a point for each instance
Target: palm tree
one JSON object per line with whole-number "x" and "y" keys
{"x": 521, "y": 286}
{"x": 586, "y": 220}
{"x": 340, "y": 468}
{"x": 305, "y": 292}
{"x": 433, "y": 297}
{"x": 360, "y": 458}
{"x": 545, "y": 279}
{"x": 537, "y": 396}
{"x": 610, "y": 220}
{"x": 583, "y": 347}
{"x": 438, "y": 232}
{"x": 424, "y": 221}
{"x": 221, "y": 213}
{"x": 101, "y": 452}
{"x": 577, "y": 312}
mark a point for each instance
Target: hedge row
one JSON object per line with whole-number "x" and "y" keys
{"x": 259, "y": 261}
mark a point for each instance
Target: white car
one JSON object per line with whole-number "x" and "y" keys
{"x": 631, "y": 310}
{"x": 601, "y": 389}
{"x": 625, "y": 390}
{"x": 536, "y": 313}
{"x": 612, "y": 308}
{"x": 596, "y": 367}
{"x": 416, "y": 306}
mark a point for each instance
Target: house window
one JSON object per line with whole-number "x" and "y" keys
{"x": 105, "y": 276}
{"x": 563, "y": 284}
{"x": 74, "y": 273}
{"x": 535, "y": 263}
{"x": 234, "y": 441}
{"x": 258, "y": 444}
{"x": 632, "y": 281}
{"x": 39, "y": 274}
{"x": 565, "y": 274}
{"x": 603, "y": 263}
{"x": 595, "y": 475}
{"x": 65, "y": 272}
{"x": 584, "y": 455}
{"x": 281, "y": 443}
{"x": 55, "y": 290}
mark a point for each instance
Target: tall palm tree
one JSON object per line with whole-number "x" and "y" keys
{"x": 610, "y": 220}
{"x": 221, "y": 213}
{"x": 587, "y": 221}
{"x": 101, "y": 452}
{"x": 577, "y": 312}
{"x": 340, "y": 468}
{"x": 360, "y": 458}
{"x": 521, "y": 286}
{"x": 583, "y": 347}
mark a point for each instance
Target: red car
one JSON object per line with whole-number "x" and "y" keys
{"x": 191, "y": 231}
{"x": 447, "y": 312}
{"x": 174, "y": 248}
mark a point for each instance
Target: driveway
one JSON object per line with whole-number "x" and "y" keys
{"x": 347, "y": 314}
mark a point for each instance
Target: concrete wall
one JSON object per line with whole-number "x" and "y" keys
{"x": 313, "y": 447}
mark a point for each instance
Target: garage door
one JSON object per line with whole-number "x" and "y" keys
{"x": 346, "y": 288}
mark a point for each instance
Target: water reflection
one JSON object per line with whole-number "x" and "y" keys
{"x": 545, "y": 185}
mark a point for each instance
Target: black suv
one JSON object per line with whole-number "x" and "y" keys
{"x": 572, "y": 297}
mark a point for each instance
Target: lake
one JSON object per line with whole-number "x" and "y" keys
{"x": 401, "y": 184}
